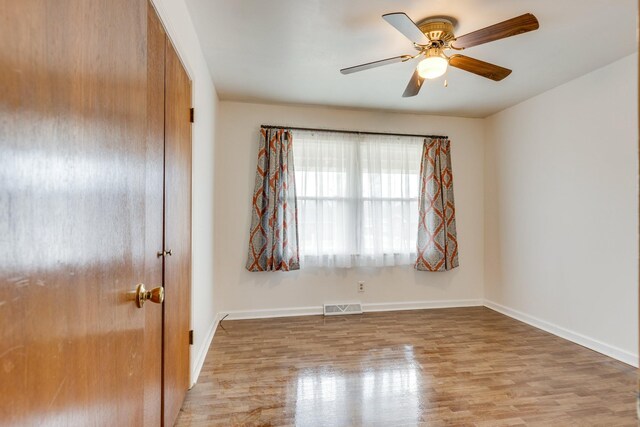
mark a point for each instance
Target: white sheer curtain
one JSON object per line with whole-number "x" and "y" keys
{"x": 357, "y": 198}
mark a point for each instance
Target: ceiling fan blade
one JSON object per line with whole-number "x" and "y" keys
{"x": 375, "y": 64}
{"x": 414, "y": 85}
{"x": 406, "y": 26}
{"x": 511, "y": 27}
{"x": 481, "y": 68}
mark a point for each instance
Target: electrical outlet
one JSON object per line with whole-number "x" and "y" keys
{"x": 360, "y": 286}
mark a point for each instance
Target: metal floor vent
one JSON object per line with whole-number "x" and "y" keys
{"x": 336, "y": 309}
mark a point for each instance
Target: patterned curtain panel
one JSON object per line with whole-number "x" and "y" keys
{"x": 437, "y": 242}
{"x": 273, "y": 238}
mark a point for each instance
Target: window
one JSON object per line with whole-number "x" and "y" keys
{"x": 357, "y": 198}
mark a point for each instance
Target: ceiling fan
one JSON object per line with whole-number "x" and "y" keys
{"x": 431, "y": 37}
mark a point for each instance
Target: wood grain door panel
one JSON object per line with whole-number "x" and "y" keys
{"x": 75, "y": 173}
{"x": 177, "y": 235}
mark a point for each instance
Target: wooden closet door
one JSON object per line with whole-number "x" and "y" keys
{"x": 177, "y": 235}
{"x": 76, "y": 172}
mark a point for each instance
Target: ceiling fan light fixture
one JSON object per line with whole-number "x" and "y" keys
{"x": 433, "y": 66}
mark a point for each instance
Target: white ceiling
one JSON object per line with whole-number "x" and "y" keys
{"x": 290, "y": 51}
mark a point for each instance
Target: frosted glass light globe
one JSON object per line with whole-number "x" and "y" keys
{"x": 432, "y": 67}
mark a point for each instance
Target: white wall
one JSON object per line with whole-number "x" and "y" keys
{"x": 561, "y": 210}
{"x": 251, "y": 292}
{"x": 178, "y": 23}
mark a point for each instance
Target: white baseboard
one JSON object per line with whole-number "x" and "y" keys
{"x": 371, "y": 307}
{"x": 202, "y": 354}
{"x": 583, "y": 340}
{"x": 275, "y": 312}
{"x": 421, "y": 305}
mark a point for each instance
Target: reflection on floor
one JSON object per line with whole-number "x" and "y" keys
{"x": 462, "y": 366}
{"x": 387, "y": 395}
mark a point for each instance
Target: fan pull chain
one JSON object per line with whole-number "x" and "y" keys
{"x": 446, "y": 83}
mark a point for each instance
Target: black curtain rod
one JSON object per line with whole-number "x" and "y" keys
{"x": 353, "y": 132}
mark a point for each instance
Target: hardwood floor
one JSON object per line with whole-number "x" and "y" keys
{"x": 460, "y": 366}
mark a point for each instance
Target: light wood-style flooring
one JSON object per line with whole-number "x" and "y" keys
{"x": 443, "y": 367}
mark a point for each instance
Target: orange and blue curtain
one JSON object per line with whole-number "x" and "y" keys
{"x": 437, "y": 243}
{"x": 273, "y": 238}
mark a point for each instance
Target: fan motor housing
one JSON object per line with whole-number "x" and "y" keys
{"x": 437, "y": 29}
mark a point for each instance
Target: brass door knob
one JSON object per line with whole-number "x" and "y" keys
{"x": 154, "y": 295}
